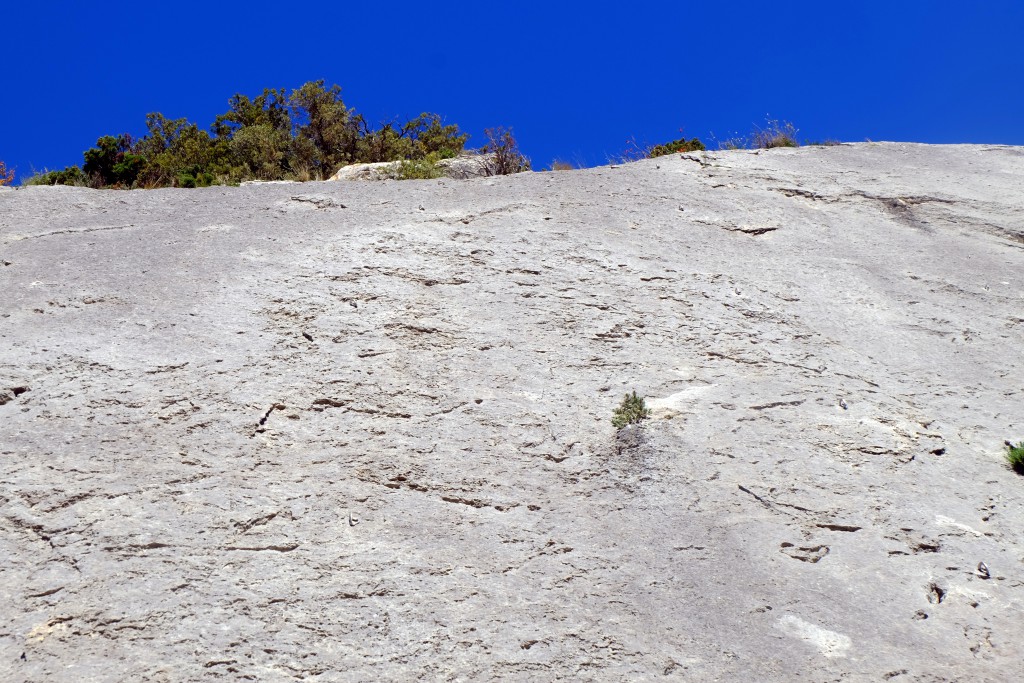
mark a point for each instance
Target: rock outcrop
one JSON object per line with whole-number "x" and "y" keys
{"x": 461, "y": 167}
{"x": 349, "y": 431}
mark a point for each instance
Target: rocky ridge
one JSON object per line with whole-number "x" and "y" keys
{"x": 361, "y": 431}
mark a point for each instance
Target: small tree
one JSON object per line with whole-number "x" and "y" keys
{"x": 503, "y": 146}
{"x": 326, "y": 131}
{"x": 269, "y": 109}
{"x": 177, "y": 152}
{"x": 431, "y": 136}
{"x": 260, "y": 150}
{"x": 387, "y": 143}
{"x": 113, "y": 161}
{"x": 632, "y": 410}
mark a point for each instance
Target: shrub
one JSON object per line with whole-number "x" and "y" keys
{"x": 113, "y": 161}
{"x": 6, "y": 176}
{"x": 195, "y": 176}
{"x": 1015, "y": 456}
{"x": 559, "y": 165}
{"x": 676, "y": 146}
{"x": 503, "y": 146}
{"x": 72, "y": 175}
{"x": 417, "y": 169}
{"x": 326, "y": 131}
{"x": 635, "y": 151}
{"x": 260, "y": 151}
{"x": 430, "y": 136}
{"x": 632, "y": 410}
{"x": 307, "y": 134}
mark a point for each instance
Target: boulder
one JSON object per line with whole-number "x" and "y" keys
{"x": 467, "y": 165}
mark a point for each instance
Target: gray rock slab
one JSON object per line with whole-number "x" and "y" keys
{"x": 361, "y": 431}
{"x": 462, "y": 167}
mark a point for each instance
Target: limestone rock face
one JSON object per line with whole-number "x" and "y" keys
{"x": 375, "y": 171}
{"x": 361, "y": 431}
{"x": 461, "y": 167}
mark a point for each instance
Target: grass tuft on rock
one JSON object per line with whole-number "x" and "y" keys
{"x": 1015, "y": 457}
{"x": 632, "y": 410}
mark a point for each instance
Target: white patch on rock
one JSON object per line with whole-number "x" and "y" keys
{"x": 942, "y": 520}
{"x": 672, "y": 405}
{"x": 829, "y": 643}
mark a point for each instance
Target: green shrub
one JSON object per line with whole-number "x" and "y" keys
{"x": 260, "y": 151}
{"x": 636, "y": 151}
{"x": 113, "y": 161}
{"x": 1015, "y": 456}
{"x": 72, "y": 175}
{"x": 430, "y": 135}
{"x": 195, "y": 176}
{"x": 326, "y": 130}
{"x": 632, "y": 410}
{"x": 417, "y": 169}
{"x": 305, "y": 135}
{"x": 676, "y": 146}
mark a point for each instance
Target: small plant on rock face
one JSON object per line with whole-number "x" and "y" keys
{"x": 775, "y": 134}
{"x": 681, "y": 145}
{"x": 636, "y": 151}
{"x": 418, "y": 169}
{"x": 632, "y": 410}
{"x": 1015, "y": 456}
{"x": 6, "y": 176}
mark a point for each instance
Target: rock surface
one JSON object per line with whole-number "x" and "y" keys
{"x": 461, "y": 167}
{"x": 362, "y": 431}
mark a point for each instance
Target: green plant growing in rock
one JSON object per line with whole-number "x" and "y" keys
{"x": 636, "y": 151}
{"x": 72, "y": 175}
{"x": 676, "y": 146}
{"x": 417, "y": 169}
{"x": 632, "y": 410}
{"x": 1015, "y": 456}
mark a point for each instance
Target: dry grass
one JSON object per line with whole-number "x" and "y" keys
{"x": 775, "y": 134}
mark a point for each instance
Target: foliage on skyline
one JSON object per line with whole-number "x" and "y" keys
{"x": 305, "y": 135}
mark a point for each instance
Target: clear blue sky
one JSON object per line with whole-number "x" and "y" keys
{"x": 574, "y": 79}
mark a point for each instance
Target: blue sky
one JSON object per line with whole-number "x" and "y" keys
{"x": 574, "y": 79}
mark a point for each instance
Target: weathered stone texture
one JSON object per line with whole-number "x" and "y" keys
{"x": 361, "y": 431}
